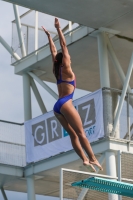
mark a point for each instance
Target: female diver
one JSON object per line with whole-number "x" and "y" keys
{"x": 63, "y": 108}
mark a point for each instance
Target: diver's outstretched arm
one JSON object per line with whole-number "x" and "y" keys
{"x": 66, "y": 56}
{"x": 51, "y": 44}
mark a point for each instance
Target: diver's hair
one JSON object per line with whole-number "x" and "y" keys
{"x": 57, "y": 63}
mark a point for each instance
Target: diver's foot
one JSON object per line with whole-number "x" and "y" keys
{"x": 89, "y": 166}
{"x": 95, "y": 162}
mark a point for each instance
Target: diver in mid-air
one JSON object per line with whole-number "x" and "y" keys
{"x": 63, "y": 108}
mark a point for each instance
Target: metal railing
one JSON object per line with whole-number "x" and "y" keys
{"x": 125, "y": 124}
{"x": 12, "y": 143}
{"x": 33, "y": 35}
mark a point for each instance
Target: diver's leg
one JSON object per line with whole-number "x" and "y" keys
{"x": 73, "y": 118}
{"x": 74, "y": 140}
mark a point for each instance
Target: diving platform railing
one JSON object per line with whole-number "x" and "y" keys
{"x": 81, "y": 185}
{"x": 12, "y": 143}
{"x": 33, "y": 35}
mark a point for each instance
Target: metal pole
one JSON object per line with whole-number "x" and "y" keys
{"x": 123, "y": 94}
{"x": 20, "y": 34}
{"x": 115, "y": 104}
{"x": 103, "y": 60}
{"x": 36, "y": 30}
{"x": 3, "y": 193}
{"x": 9, "y": 49}
{"x": 128, "y": 116}
{"x": 27, "y": 97}
{"x": 105, "y": 82}
{"x": 44, "y": 85}
{"x": 38, "y": 96}
{"x": 31, "y": 188}
{"x": 111, "y": 169}
{"x": 61, "y": 184}
{"x": 119, "y": 169}
{"x": 27, "y": 49}
{"x": 128, "y": 122}
{"x": 70, "y": 27}
{"x": 84, "y": 191}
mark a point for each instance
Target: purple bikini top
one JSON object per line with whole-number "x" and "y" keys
{"x": 69, "y": 82}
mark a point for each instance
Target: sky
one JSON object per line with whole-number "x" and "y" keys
{"x": 11, "y": 88}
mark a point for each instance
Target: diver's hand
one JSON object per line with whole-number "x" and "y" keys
{"x": 57, "y": 23}
{"x": 47, "y": 33}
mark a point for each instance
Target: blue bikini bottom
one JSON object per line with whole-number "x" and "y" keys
{"x": 61, "y": 101}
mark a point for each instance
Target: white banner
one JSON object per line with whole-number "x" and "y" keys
{"x": 45, "y": 137}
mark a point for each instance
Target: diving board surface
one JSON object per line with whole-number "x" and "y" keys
{"x": 106, "y": 185}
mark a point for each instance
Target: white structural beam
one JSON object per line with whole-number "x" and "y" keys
{"x": 108, "y": 118}
{"x": 38, "y": 96}
{"x": 70, "y": 27}
{"x": 126, "y": 82}
{"x": 111, "y": 169}
{"x": 47, "y": 88}
{"x": 31, "y": 188}
{"x": 84, "y": 191}
{"x": 103, "y": 60}
{"x": 20, "y": 34}
{"x": 61, "y": 184}
{"x": 3, "y": 194}
{"x": 11, "y": 170}
{"x": 27, "y": 97}
{"x": 105, "y": 82}
{"x": 119, "y": 169}
{"x": 36, "y": 30}
{"x": 9, "y": 49}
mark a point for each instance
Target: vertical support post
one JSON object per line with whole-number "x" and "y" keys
{"x": 103, "y": 60}
{"x": 119, "y": 169}
{"x": 128, "y": 117}
{"x": 70, "y": 27}
{"x": 128, "y": 122}
{"x": 20, "y": 35}
{"x": 123, "y": 94}
{"x": 38, "y": 97}
{"x": 31, "y": 188}
{"x": 61, "y": 184}
{"x": 3, "y": 193}
{"x": 36, "y": 30}
{"x": 105, "y": 82}
{"x": 111, "y": 170}
{"x": 27, "y": 116}
{"x": 27, "y": 97}
{"x": 27, "y": 49}
{"x": 115, "y": 104}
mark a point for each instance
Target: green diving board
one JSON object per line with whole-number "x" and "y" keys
{"x": 106, "y": 185}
